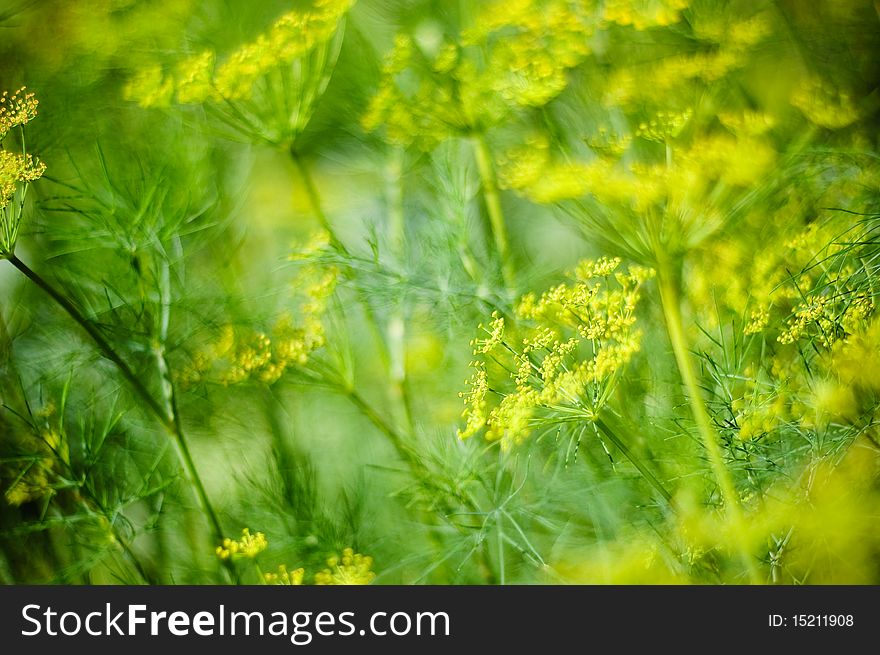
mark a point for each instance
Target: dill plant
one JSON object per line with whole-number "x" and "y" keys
{"x": 642, "y": 233}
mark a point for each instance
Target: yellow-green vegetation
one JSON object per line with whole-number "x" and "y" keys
{"x": 536, "y": 291}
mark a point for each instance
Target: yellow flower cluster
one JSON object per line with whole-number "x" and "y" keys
{"x": 496, "y": 334}
{"x": 747, "y": 122}
{"x": 16, "y": 109}
{"x": 289, "y": 60}
{"x": 827, "y": 319}
{"x": 855, "y": 360}
{"x": 643, "y": 14}
{"x": 827, "y": 511}
{"x": 532, "y": 45}
{"x": 608, "y": 143}
{"x": 350, "y": 569}
{"x": 17, "y": 169}
{"x": 679, "y": 186}
{"x": 197, "y": 79}
{"x": 285, "y": 577}
{"x": 760, "y": 413}
{"x": 730, "y": 275}
{"x": 726, "y": 49}
{"x": 32, "y": 485}
{"x": 825, "y": 105}
{"x": 150, "y": 87}
{"x": 841, "y": 383}
{"x": 243, "y": 354}
{"x": 758, "y": 320}
{"x": 837, "y": 307}
{"x": 664, "y": 125}
{"x": 530, "y": 170}
{"x": 290, "y": 38}
{"x": 250, "y": 545}
{"x": 562, "y": 355}
{"x": 733, "y": 160}
{"x": 42, "y": 453}
{"x": 516, "y": 55}
{"x": 194, "y": 79}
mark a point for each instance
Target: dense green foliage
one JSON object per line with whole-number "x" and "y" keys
{"x": 527, "y": 291}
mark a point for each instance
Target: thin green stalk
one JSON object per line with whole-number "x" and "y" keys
{"x": 415, "y": 464}
{"x": 281, "y": 441}
{"x": 169, "y": 396}
{"x": 315, "y": 199}
{"x": 105, "y": 348}
{"x": 394, "y": 437}
{"x": 396, "y": 331}
{"x": 170, "y": 421}
{"x": 385, "y": 351}
{"x": 493, "y": 207}
{"x": 638, "y": 463}
{"x": 132, "y": 556}
{"x": 670, "y": 297}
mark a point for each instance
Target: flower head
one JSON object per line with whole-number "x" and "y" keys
{"x": 350, "y": 569}
{"x": 285, "y": 577}
{"x": 563, "y": 352}
{"x": 250, "y": 545}
{"x": 17, "y": 109}
{"x": 514, "y": 57}
{"x": 17, "y": 169}
{"x": 265, "y": 88}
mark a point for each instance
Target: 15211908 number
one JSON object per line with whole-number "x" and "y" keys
{"x": 811, "y": 620}
{"x": 821, "y": 620}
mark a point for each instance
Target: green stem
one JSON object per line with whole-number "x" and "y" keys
{"x": 396, "y": 330}
{"x": 396, "y": 234}
{"x": 287, "y": 454}
{"x": 105, "y": 348}
{"x": 183, "y": 453}
{"x": 670, "y": 297}
{"x": 314, "y": 199}
{"x": 170, "y": 421}
{"x": 493, "y": 207}
{"x": 169, "y": 395}
{"x": 416, "y": 465}
{"x": 386, "y": 353}
{"x": 394, "y": 437}
{"x": 640, "y": 466}
{"x": 126, "y": 547}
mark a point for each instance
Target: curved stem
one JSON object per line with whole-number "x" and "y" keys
{"x": 417, "y": 467}
{"x": 394, "y": 437}
{"x": 192, "y": 474}
{"x": 119, "y": 539}
{"x": 396, "y": 328}
{"x": 169, "y": 419}
{"x": 315, "y": 199}
{"x": 638, "y": 463}
{"x": 493, "y": 207}
{"x": 103, "y": 345}
{"x": 126, "y": 548}
{"x": 670, "y": 297}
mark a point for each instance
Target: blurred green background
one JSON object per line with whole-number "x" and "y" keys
{"x": 462, "y": 155}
